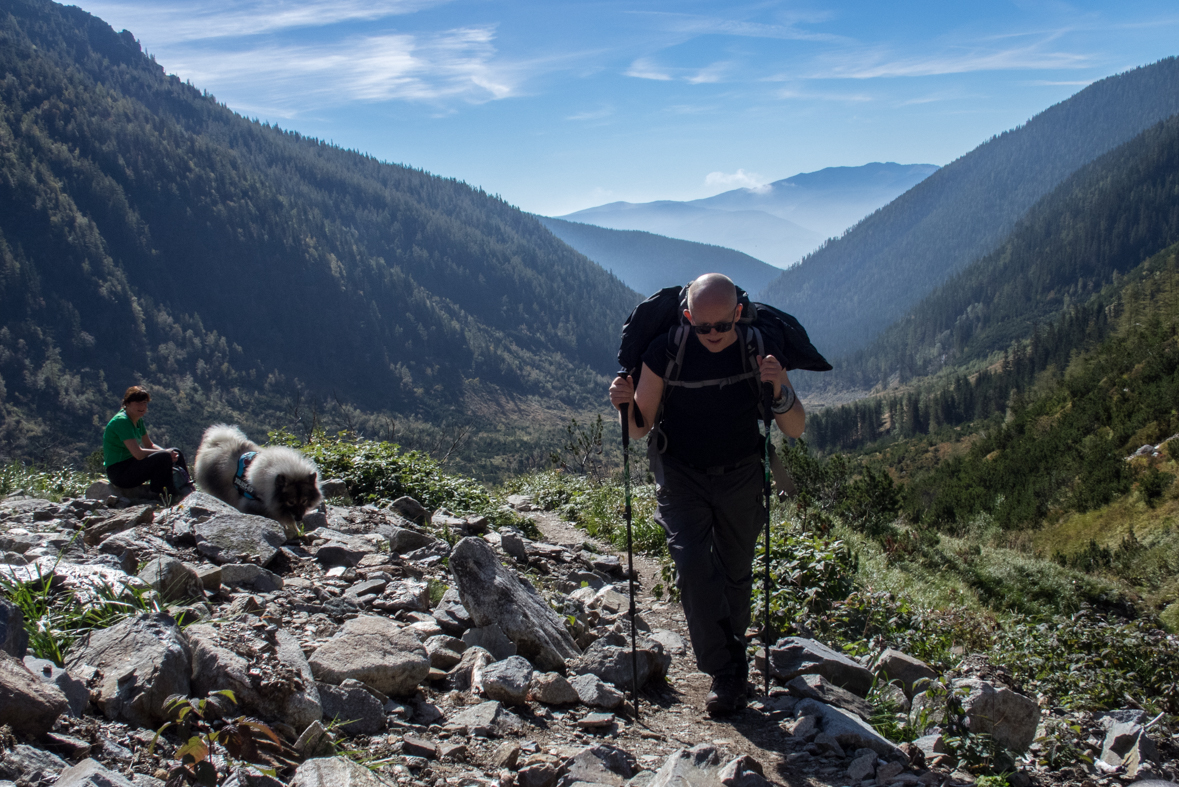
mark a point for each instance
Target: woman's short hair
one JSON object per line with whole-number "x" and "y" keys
{"x": 136, "y": 393}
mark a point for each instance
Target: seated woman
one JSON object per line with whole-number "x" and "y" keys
{"x": 131, "y": 458}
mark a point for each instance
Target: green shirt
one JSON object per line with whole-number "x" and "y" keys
{"x": 120, "y": 428}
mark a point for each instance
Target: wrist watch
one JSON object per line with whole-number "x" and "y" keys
{"x": 784, "y": 402}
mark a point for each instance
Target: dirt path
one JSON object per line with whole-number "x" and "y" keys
{"x": 673, "y": 716}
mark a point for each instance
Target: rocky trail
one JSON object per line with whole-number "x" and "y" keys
{"x": 400, "y": 646}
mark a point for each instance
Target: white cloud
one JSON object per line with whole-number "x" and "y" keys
{"x": 819, "y": 95}
{"x": 870, "y": 65}
{"x": 695, "y": 25}
{"x": 160, "y": 23}
{"x": 594, "y": 114}
{"x": 708, "y": 75}
{"x": 644, "y": 68}
{"x": 454, "y": 64}
{"x": 739, "y": 179}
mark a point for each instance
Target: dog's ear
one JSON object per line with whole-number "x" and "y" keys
{"x": 313, "y": 478}
{"x": 280, "y": 481}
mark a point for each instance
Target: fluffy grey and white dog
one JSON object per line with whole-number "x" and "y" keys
{"x": 276, "y": 482}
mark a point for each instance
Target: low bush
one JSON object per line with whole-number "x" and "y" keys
{"x": 50, "y": 484}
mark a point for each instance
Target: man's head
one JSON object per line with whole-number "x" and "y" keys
{"x": 712, "y": 301}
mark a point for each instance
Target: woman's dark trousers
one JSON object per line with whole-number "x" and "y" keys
{"x": 155, "y": 469}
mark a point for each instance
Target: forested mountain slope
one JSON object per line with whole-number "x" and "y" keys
{"x": 1101, "y": 222}
{"x": 647, "y": 262}
{"x": 148, "y": 231}
{"x": 855, "y": 286}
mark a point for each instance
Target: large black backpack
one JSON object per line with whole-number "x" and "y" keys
{"x": 663, "y": 313}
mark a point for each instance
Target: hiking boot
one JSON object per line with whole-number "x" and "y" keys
{"x": 727, "y": 695}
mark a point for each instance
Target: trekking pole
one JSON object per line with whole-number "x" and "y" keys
{"x": 630, "y": 557}
{"x": 767, "y": 397}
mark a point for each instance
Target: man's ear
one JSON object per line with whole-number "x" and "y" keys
{"x": 687, "y": 315}
{"x": 740, "y": 306}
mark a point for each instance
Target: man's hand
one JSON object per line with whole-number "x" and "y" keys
{"x": 771, "y": 372}
{"x": 622, "y": 391}
{"x": 175, "y": 456}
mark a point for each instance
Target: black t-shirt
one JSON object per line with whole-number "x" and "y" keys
{"x": 713, "y": 425}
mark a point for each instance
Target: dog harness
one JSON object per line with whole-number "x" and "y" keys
{"x": 239, "y": 479}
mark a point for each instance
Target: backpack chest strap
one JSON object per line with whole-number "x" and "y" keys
{"x": 239, "y": 478}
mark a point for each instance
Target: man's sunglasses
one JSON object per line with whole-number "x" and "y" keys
{"x": 720, "y": 327}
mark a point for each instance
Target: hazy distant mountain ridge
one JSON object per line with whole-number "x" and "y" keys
{"x": 853, "y": 287}
{"x": 647, "y": 262}
{"x": 777, "y": 223}
{"x": 829, "y": 200}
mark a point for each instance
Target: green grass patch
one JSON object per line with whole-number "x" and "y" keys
{"x": 50, "y": 484}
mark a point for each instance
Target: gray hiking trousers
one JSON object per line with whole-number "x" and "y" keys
{"x": 712, "y": 520}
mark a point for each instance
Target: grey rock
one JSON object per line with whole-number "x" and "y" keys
{"x": 429, "y": 554}
{"x": 239, "y": 538}
{"x": 862, "y": 767}
{"x": 267, "y": 672}
{"x": 816, "y": 687}
{"x": 210, "y": 576}
{"x": 402, "y": 540}
{"x": 537, "y": 774}
{"x": 250, "y": 576}
{"x": 552, "y": 688}
{"x": 794, "y": 656}
{"x": 410, "y": 594}
{"x": 847, "y": 728}
{"x": 893, "y": 665}
{"x": 698, "y": 766}
{"x": 336, "y": 772}
{"x": 356, "y": 710}
{"x": 369, "y": 587}
{"x": 143, "y": 661}
{"x": 445, "y": 652}
{"x": 508, "y": 680}
{"x": 124, "y": 520}
{"x": 828, "y": 745}
{"x": 492, "y": 639}
{"x": 333, "y": 487}
{"x": 135, "y": 547}
{"x": 375, "y": 651}
{"x": 27, "y": 703}
{"x": 1128, "y": 746}
{"x": 610, "y": 658}
{"x": 600, "y": 764}
{"x": 743, "y": 771}
{"x": 1132, "y": 715}
{"x": 411, "y": 509}
{"x": 487, "y": 720}
{"x": 493, "y": 594}
{"x": 173, "y": 580}
{"x": 931, "y": 745}
{"x": 514, "y": 545}
{"x": 91, "y": 773}
{"x": 469, "y": 671}
{"x": 888, "y": 771}
{"x": 246, "y": 778}
{"x": 343, "y": 549}
{"x": 592, "y": 691}
{"x": 75, "y": 691}
{"x": 14, "y": 640}
{"x": 451, "y": 615}
{"x": 673, "y": 644}
{"x": 30, "y": 765}
{"x": 1009, "y": 718}
{"x": 315, "y": 741}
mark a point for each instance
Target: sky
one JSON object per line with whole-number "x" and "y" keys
{"x": 558, "y": 106}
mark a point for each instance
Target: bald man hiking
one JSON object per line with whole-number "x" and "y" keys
{"x": 708, "y": 473}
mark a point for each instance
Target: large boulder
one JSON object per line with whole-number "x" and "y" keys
{"x": 353, "y": 707}
{"x": 508, "y": 680}
{"x": 1009, "y": 718}
{"x": 1127, "y": 746}
{"x": 911, "y": 673}
{"x": 91, "y": 773}
{"x": 494, "y": 594}
{"x": 702, "y": 766}
{"x": 173, "y": 580}
{"x": 267, "y": 672}
{"x": 14, "y": 640}
{"x": 375, "y": 651}
{"x": 610, "y": 658}
{"x": 116, "y": 523}
{"x": 336, "y": 772}
{"x": 28, "y": 704}
{"x": 142, "y": 660}
{"x": 816, "y": 687}
{"x": 239, "y": 538}
{"x": 794, "y": 656}
{"x": 849, "y": 730}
